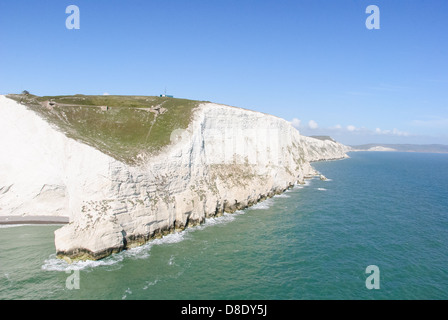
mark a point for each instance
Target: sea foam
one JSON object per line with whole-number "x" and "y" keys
{"x": 11, "y": 225}
{"x": 281, "y": 196}
{"x": 263, "y": 205}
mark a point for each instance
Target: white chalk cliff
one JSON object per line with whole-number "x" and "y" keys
{"x": 227, "y": 159}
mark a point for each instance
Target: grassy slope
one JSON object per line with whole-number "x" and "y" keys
{"x": 124, "y": 130}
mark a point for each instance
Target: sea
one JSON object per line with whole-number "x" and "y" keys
{"x": 376, "y": 229}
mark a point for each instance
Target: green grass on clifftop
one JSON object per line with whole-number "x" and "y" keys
{"x": 130, "y": 125}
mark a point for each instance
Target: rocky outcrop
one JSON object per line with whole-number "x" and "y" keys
{"x": 226, "y": 160}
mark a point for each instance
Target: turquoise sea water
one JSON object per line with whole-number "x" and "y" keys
{"x": 312, "y": 242}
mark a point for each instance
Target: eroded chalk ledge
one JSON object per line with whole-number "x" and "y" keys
{"x": 132, "y": 241}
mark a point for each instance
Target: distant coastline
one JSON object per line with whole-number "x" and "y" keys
{"x": 429, "y": 148}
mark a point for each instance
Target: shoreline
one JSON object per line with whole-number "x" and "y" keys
{"x": 142, "y": 239}
{"x": 11, "y": 220}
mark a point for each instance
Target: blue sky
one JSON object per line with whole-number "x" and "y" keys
{"x": 310, "y": 62}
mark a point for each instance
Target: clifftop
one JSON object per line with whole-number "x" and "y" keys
{"x": 120, "y": 126}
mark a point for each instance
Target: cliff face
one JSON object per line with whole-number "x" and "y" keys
{"x": 227, "y": 159}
